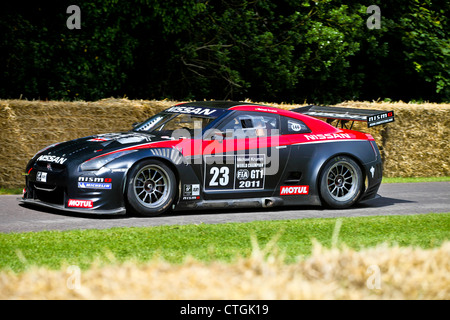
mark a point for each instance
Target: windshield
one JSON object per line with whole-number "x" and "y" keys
{"x": 167, "y": 123}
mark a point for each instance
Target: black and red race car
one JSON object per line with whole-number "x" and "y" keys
{"x": 213, "y": 154}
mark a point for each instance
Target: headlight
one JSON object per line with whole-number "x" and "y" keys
{"x": 100, "y": 161}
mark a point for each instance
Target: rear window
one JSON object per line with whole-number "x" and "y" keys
{"x": 293, "y": 126}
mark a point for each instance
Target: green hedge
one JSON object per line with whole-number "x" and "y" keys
{"x": 283, "y": 51}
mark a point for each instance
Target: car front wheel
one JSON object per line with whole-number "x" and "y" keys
{"x": 151, "y": 188}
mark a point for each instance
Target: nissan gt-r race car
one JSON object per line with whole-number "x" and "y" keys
{"x": 213, "y": 154}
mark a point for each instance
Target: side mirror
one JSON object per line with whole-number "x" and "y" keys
{"x": 218, "y": 135}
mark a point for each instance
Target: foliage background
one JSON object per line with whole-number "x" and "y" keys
{"x": 283, "y": 51}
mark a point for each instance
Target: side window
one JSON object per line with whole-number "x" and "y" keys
{"x": 293, "y": 126}
{"x": 251, "y": 124}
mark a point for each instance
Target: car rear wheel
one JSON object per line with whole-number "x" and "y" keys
{"x": 151, "y": 188}
{"x": 341, "y": 182}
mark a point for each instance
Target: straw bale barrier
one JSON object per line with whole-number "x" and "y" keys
{"x": 416, "y": 144}
{"x": 381, "y": 272}
{"x": 28, "y": 126}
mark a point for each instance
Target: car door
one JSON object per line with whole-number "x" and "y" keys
{"x": 244, "y": 157}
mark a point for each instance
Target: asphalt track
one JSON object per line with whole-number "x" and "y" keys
{"x": 396, "y": 199}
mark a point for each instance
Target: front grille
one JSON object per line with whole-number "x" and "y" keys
{"x": 44, "y": 187}
{"x": 49, "y": 166}
{"x": 49, "y": 193}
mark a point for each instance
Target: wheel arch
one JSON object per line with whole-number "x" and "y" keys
{"x": 165, "y": 161}
{"x": 172, "y": 158}
{"x": 346, "y": 154}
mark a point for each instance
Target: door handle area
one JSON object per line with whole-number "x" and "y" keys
{"x": 281, "y": 147}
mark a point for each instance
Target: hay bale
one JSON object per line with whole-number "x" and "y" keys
{"x": 414, "y": 145}
{"x": 381, "y": 272}
{"x": 28, "y": 126}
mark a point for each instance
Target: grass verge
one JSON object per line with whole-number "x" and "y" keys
{"x": 380, "y": 272}
{"x": 221, "y": 242}
{"x": 416, "y": 179}
{"x": 5, "y": 191}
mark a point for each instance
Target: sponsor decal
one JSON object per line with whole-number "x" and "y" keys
{"x": 266, "y": 110}
{"x": 122, "y": 138}
{"x": 195, "y": 189}
{"x": 191, "y": 198}
{"x": 94, "y": 179}
{"x": 242, "y": 174}
{"x": 292, "y": 190}
{"x": 192, "y": 110}
{"x": 191, "y": 192}
{"x": 73, "y": 203}
{"x": 377, "y": 119}
{"x": 54, "y": 159}
{"x": 237, "y": 172}
{"x": 294, "y": 126}
{"x": 41, "y": 176}
{"x": 327, "y": 136}
{"x": 372, "y": 171}
{"x": 94, "y": 185}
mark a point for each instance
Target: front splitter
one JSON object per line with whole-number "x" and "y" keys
{"x": 35, "y": 202}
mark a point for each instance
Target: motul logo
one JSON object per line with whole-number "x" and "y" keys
{"x": 80, "y": 203}
{"x": 288, "y": 190}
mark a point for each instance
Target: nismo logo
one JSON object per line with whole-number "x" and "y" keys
{"x": 93, "y": 179}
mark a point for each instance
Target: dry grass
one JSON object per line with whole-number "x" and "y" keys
{"x": 376, "y": 273}
{"x": 416, "y": 144}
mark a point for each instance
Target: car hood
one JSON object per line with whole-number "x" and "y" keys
{"x": 83, "y": 149}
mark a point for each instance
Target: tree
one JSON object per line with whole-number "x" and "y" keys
{"x": 288, "y": 50}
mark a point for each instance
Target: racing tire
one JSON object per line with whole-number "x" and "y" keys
{"x": 341, "y": 183}
{"x": 151, "y": 188}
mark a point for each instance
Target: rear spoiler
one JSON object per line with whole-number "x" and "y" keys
{"x": 343, "y": 115}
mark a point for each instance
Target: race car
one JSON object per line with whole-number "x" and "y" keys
{"x": 216, "y": 155}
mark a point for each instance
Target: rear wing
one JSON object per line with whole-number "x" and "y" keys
{"x": 344, "y": 115}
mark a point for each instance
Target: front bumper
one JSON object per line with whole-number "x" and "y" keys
{"x": 71, "y": 190}
{"x": 37, "y": 202}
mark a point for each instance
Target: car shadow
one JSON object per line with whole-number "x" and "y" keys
{"x": 381, "y": 202}
{"x": 374, "y": 203}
